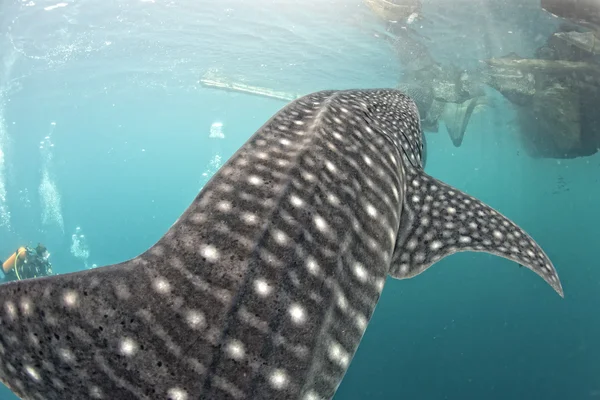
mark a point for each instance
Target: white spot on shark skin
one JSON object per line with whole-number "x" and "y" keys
{"x": 419, "y": 257}
{"x": 210, "y": 252}
{"x": 361, "y": 321}
{"x": 546, "y": 268}
{"x": 262, "y": 288}
{"x": 404, "y": 269}
{"x": 278, "y": 379}
{"x": 242, "y": 162}
{"x": 177, "y": 394}
{"x": 96, "y": 392}
{"x": 195, "y": 319}
{"x": 371, "y": 210}
{"x": 122, "y": 291}
{"x": 311, "y": 395}
{"x": 254, "y": 180}
{"x": 412, "y": 244}
{"x": 396, "y": 193}
{"x": 161, "y": 285}
{"x": 308, "y": 176}
{"x": 128, "y": 347}
{"x": 341, "y": 301}
{"x": 32, "y": 372}
{"x": 280, "y": 237}
{"x": 250, "y": 218}
{"x": 498, "y": 235}
{"x": 312, "y": 266}
{"x": 197, "y": 218}
{"x": 26, "y": 307}
{"x": 338, "y": 355}
{"x": 224, "y": 206}
{"x": 11, "y": 309}
{"x": 235, "y": 349}
{"x": 435, "y": 245}
{"x": 320, "y": 223}
{"x": 67, "y": 355}
{"x": 297, "y": 314}
{"x": 464, "y": 239}
{"x": 360, "y": 272}
{"x": 333, "y": 199}
{"x": 329, "y": 165}
{"x": 296, "y": 201}
{"x": 283, "y": 163}
{"x": 70, "y": 298}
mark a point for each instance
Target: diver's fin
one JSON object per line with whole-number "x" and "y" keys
{"x": 456, "y": 116}
{"x": 439, "y": 220}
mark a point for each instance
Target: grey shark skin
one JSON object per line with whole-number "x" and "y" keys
{"x": 265, "y": 285}
{"x": 585, "y": 12}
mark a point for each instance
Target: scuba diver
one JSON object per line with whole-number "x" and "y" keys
{"x": 27, "y": 263}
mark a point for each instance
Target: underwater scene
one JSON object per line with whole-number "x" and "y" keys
{"x": 203, "y": 199}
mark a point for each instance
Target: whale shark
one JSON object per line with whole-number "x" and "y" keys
{"x": 265, "y": 285}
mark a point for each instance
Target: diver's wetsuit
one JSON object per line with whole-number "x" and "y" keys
{"x": 33, "y": 266}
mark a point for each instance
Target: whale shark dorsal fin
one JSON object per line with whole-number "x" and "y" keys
{"x": 439, "y": 220}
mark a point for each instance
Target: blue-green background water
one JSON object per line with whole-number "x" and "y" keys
{"x": 120, "y": 81}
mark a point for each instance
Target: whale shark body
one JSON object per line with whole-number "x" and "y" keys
{"x": 264, "y": 287}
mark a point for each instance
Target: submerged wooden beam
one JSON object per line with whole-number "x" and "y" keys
{"x": 587, "y": 41}
{"x": 537, "y": 65}
{"x": 394, "y": 11}
{"x": 216, "y": 81}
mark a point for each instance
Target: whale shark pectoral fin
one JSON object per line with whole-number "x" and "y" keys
{"x": 439, "y": 220}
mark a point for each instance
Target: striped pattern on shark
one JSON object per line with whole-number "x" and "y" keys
{"x": 265, "y": 285}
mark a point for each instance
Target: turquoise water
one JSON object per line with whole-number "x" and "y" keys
{"x": 114, "y": 86}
